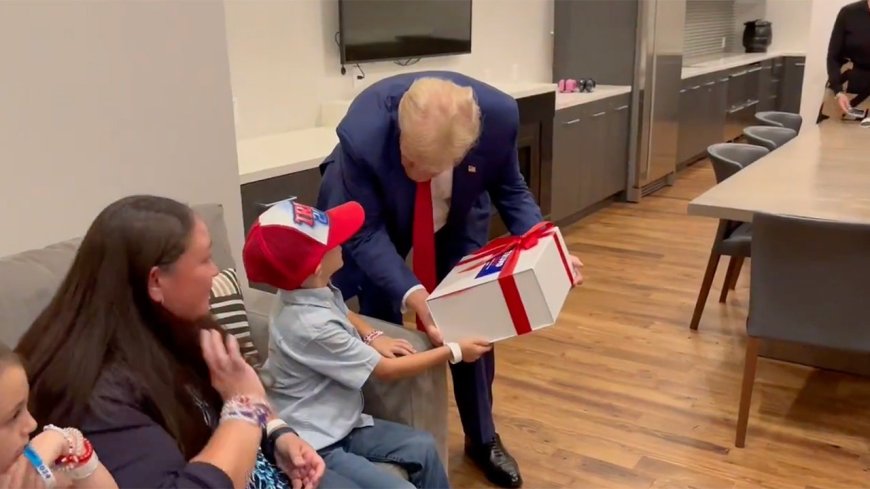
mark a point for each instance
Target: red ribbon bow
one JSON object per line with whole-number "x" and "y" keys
{"x": 516, "y": 245}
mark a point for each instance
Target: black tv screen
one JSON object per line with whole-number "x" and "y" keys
{"x": 372, "y": 30}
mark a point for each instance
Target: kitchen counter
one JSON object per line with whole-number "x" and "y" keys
{"x": 279, "y": 154}
{"x": 727, "y": 61}
{"x": 565, "y": 100}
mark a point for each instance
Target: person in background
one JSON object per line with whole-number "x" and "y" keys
{"x": 426, "y": 154}
{"x": 127, "y": 350}
{"x": 321, "y": 354}
{"x": 52, "y": 450}
{"x": 850, "y": 42}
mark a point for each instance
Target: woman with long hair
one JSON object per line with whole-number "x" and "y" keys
{"x": 127, "y": 350}
{"x": 60, "y": 457}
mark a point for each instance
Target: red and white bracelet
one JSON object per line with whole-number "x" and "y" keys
{"x": 372, "y": 336}
{"x": 80, "y": 460}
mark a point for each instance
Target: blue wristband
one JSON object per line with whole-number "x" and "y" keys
{"x": 44, "y": 472}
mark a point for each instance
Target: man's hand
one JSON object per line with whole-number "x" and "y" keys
{"x": 392, "y": 347}
{"x": 417, "y": 303}
{"x": 843, "y": 102}
{"x": 299, "y": 461}
{"x": 577, "y": 266}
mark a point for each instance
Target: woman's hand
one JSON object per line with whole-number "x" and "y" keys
{"x": 392, "y": 347}
{"x": 21, "y": 475}
{"x": 231, "y": 375}
{"x": 299, "y": 461}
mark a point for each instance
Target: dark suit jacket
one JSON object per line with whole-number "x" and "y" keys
{"x": 366, "y": 167}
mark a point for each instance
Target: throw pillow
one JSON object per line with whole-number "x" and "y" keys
{"x": 228, "y": 309}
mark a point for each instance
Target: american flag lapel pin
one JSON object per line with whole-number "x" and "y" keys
{"x": 472, "y": 169}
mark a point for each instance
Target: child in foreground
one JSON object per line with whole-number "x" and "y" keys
{"x": 55, "y": 458}
{"x": 321, "y": 354}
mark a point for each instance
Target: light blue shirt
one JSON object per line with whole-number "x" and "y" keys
{"x": 319, "y": 363}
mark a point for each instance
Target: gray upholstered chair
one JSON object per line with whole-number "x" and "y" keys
{"x": 780, "y": 119}
{"x": 808, "y": 286}
{"x": 732, "y": 239}
{"x": 768, "y": 136}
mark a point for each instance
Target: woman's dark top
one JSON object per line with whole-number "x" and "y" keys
{"x": 136, "y": 450}
{"x": 850, "y": 41}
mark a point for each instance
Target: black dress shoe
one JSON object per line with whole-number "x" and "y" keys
{"x": 494, "y": 460}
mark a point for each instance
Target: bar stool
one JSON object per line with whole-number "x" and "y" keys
{"x": 768, "y": 136}
{"x": 780, "y": 119}
{"x": 732, "y": 239}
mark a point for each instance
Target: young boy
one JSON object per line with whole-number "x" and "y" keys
{"x": 321, "y": 354}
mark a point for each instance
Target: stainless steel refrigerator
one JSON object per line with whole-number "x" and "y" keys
{"x": 656, "y": 92}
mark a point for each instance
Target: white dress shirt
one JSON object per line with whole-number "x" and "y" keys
{"x": 442, "y": 190}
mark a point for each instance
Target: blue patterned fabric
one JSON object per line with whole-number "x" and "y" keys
{"x": 265, "y": 474}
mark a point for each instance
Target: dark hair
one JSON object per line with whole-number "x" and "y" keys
{"x": 102, "y": 319}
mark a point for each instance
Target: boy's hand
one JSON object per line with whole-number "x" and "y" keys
{"x": 392, "y": 347}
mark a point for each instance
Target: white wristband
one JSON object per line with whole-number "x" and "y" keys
{"x": 274, "y": 425}
{"x": 456, "y": 352}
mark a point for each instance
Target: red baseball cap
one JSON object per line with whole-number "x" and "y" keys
{"x": 287, "y": 243}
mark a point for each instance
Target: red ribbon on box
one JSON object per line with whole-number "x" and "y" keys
{"x": 516, "y": 245}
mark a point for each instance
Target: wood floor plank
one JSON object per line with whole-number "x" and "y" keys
{"x": 621, "y": 394}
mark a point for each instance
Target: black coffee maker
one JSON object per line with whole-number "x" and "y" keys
{"x": 757, "y": 35}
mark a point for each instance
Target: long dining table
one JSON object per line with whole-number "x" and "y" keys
{"x": 823, "y": 173}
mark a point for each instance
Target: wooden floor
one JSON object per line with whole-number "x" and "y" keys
{"x": 620, "y": 394}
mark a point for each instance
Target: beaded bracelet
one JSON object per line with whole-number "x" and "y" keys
{"x": 243, "y": 408}
{"x": 80, "y": 461}
{"x": 372, "y": 336}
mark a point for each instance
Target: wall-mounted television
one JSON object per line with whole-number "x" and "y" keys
{"x": 377, "y": 30}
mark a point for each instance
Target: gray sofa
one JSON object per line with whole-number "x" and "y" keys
{"x": 28, "y": 281}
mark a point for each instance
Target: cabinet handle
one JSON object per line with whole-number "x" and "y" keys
{"x": 572, "y": 121}
{"x": 753, "y": 70}
{"x": 683, "y": 90}
{"x": 800, "y": 64}
{"x": 695, "y": 87}
{"x": 739, "y": 73}
{"x": 599, "y": 114}
{"x": 723, "y": 80}
{"x": 736, "y": 109}
{"x": 621, "y": 108}
{"x": 266, "y": 205}
{"x": 750, "y": 104}
{"x": 767, "y": 68}
{"x": 710, "y": 84}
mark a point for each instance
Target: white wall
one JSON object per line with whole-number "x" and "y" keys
{"x": 823, "y": 14}
{"x": 100, "y": 100}
{"x": 791, "y": 24}
{"x": 284, "y": 60}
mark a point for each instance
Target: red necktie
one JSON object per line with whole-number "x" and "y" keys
{"x": 424, "y": 239}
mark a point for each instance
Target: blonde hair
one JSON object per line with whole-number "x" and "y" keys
{"x": 439, "y": 123}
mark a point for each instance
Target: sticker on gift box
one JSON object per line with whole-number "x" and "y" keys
{"x": 494, "y": 265}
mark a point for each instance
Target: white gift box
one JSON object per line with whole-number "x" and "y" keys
{"x": 511, "y": 287}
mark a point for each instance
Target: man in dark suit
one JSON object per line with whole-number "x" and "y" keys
{"x": 426, "y": 154}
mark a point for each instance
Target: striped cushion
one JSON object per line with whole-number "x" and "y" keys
{"x": 228, "y": 309}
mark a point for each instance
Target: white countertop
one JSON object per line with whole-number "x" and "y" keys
{"x": 283, "y": 153}
{"x": 279, "y": 154}
{"x": 693, "y": 68}
{"x": 565, "y": 100}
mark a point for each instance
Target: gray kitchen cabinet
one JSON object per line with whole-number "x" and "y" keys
{"x": 766, "y": 95}
{"x": 791, "y": 85}
{"x": 616, "y": 162}
{"x": 568, "y": 129}
{"x": 595, "y": 39}
{"x": 594, "y": 165}
{"x": 590, "y": 155}
{"x": 256, "y": 196}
